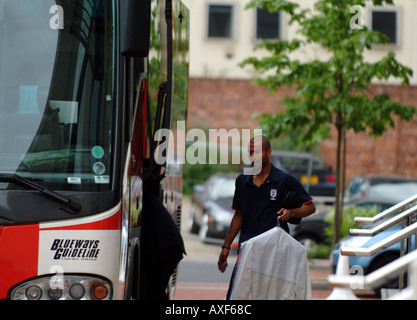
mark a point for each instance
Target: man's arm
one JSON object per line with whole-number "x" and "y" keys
{"x": 305, "y": 210}
{"x": 234, "y": 228}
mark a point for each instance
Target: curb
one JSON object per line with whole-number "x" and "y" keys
{"x": 320, "y": 264}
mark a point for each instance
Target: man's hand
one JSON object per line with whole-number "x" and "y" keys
{"x": 231, "y": 234}
{"x": 222, "y": 264}
{"x": 301, "y": 212}
{"x": 284, "y": 214}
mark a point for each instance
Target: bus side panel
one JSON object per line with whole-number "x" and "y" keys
{"x": 136, "y": 162}
{"x": 173, "y": 183}
{"x": 18, "y": 255}
{"x": 81, "y": 252}
{"x": 89, "y": 245}
{"x": 83, "y": 246}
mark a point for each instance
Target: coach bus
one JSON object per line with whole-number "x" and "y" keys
{"x": 84, "y": 87}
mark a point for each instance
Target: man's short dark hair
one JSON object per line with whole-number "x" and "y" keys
{"x": 266, "y": 144}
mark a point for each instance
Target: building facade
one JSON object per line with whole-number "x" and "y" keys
{"x": 224, "y": 33}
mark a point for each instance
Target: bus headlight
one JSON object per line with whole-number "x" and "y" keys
{"x": 33, "y": 293}
{"x": 77, "y": 291}
{"x": 71, "y": 287}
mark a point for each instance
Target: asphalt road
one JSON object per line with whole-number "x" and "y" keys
{"x": 200, "y": 264}
{"x": 198, "y": 275}
{"x": 195, "y": 248}
{"x": 203, "y": 271}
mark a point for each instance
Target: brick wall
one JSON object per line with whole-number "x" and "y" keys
{"x": 221, "y": 103}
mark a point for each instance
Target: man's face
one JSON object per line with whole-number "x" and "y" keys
{"x": 258, "y": 154}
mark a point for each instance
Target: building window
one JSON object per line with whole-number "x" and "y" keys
{"x": 385, "y": 22}
{"x": 267, "y": 24}
{"x": 220, "y": 21}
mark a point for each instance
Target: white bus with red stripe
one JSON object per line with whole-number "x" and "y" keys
{"x": 84, "y": 87}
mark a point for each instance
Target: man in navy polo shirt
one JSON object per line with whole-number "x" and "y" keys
{"x": 258, "y": 199}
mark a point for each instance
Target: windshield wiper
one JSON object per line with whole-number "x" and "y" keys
{"x": 28, "y": 184}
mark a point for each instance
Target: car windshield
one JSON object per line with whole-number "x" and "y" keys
{"x": 56, "y": 92}
{"x": 222, "y": 188}
{"x": 300, "y": 163}
{"x": 395, "y": 191}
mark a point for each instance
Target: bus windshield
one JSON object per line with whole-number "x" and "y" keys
{"x": 57, "y": 92}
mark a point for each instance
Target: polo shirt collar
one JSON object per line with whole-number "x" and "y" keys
{"x": 273, "y": 176}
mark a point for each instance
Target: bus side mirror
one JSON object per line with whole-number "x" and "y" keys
{"x": 136, "y": 24}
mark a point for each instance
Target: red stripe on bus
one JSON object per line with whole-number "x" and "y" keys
{"x": 19, "y": 247}
{"x": 111, "y": 223}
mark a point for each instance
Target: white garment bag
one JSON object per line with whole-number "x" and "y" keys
{"x": 272, "y": 266}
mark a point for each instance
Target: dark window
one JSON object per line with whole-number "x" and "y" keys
{"x": 267, "y": 24}
{"x": 220, "y": 21}
{"x": 385, "y": 22}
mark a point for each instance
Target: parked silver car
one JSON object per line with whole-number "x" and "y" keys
{"x": 211, "y": 207}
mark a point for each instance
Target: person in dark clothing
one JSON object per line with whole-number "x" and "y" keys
{"x": 260, "y": 198}
{"x": 161, "y": 250}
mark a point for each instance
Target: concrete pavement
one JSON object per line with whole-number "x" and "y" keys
{"x": 319, "y": 270}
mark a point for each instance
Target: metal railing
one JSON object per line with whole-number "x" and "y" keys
{"x": 409, "y": 293}
{"x": 398, "y": 267}
{"x": 376, "y": 278}
{"x": 385, "y": 225}
{"x": 388, "y": 212}
{"x": 381, "y": 245}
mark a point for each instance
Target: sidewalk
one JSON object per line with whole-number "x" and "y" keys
{"x": 319, "y": 270}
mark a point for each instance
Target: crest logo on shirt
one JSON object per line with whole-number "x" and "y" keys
{"x": 273, "y": 194}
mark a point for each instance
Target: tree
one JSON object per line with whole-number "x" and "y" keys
{"x": 332, "y": 92}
